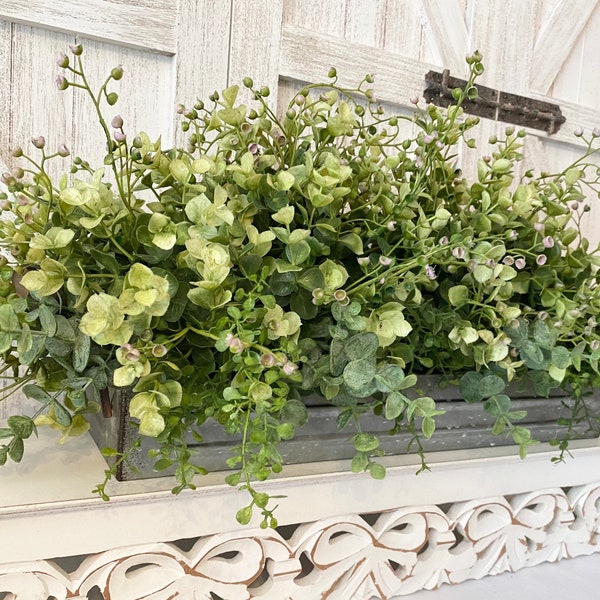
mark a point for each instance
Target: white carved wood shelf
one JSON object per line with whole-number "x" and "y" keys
{"x": 343, "y": 536}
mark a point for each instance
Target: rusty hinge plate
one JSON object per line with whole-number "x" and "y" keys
{"x": 494, "y": 104}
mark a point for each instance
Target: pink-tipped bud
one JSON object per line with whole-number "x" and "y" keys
{"x": 7, "y": 179}
{"x": 17, "y": 152}
{"x": 63, "y": 150}
{"x": 268, "y": 360}
{"x": 76, "y": 49}
{"x": 117, "y": 122}
{"x": 39, "y": 142}
{"x": 61, "y": 82}
{"x": 63, "y": 60}
{"x": 548, "y": 242}
{"x": 289, "y": 368}
{"x": 119, "y": 136}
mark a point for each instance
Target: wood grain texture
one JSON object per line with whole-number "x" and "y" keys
{"x": 398, "y": 77}
{"x": 37, "y": 106}
{"x": 5, "y": 94}
{"x": 149, "y": 24}
{"x": 202, "y": 58}
{"x": 445, "y": 24}
{"x": 366, "y": 22}
{"x": 579, "y": 77}
{"x": 404, "y": 31}
{"x": 255, "y": 43}
{"x": 556, "y": 39}
{"x": 318, "y": 16}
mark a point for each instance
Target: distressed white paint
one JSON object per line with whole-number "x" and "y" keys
{"x": 387, "y": 555}
{"x": 556, "y": 39}
{"x": 148, "y": 24}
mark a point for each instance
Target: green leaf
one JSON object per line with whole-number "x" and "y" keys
{"x": 428, "y": 427}
{"x": 359, "y": 463}
{"x": 376, "y": 470}
{"x": 162, "y": 464}
{"x": 81, "y": 351}
{"x": 533, "y": 356}
{"x": 542, "y": 334}
{"x": 301, "y": 303}
{"x": 497, "y": 406}
{"x": 9, "y": 327}
{"x": 361, "y": 345}
{"x": 33, "y": 391}
{"x": 294, "y": 412}
{"x": 561, "y": 357}
{"x": 389, "y": 378}
{"x": 489, "y": 385}
{"x": 365, "y": 442}
{"x": 298, "y": 253}
{"x": 21, "y": 426}
{"x": 358, "y": 373}
{"x": 521, "y": 435}
{"x": 61, "y": 414}
{"x": 343, "y": 419}
{"x": 469, "y": 386}
{"x": 108, "y": 452}
{"x": 244, "y": 515}
{"x": 337, "y": 357}
{"x": 352, "y": 241}
{"x": 233, "y": 479}
{"x": 499, "y": 426}
{"x": 261, "y": 499}
{"x": 3, "y": 455}
{"x": 47, "y": 320}
{"x": 16, "y": 449}
{"x": 458, "y": 295}
{"x": 394, "y": 405}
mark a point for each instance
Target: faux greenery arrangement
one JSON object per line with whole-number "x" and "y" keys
{"x": 275, "y": 257}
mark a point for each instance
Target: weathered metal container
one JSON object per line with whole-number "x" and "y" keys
{"x": 463, "y": 426}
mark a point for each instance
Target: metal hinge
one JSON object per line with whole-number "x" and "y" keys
{"x": 494, "y": 104}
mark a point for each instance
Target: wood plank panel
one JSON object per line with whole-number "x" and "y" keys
{"x": 5, "y": 94}
{"x": 318, "y": 16}
{"x": 149, "y": 24}
{"x": 37, "y": 106}
{"x": 579, "y": 78}
{"x": 202, "y": 62}
{"x": 255, "y": 43}
{"x": 366, "y": 22}
{"x": 556, "y": 39}
{"x": 404, "y": 29}
{"x": 398, "y": 77}
{"x": 447, "y": 31}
